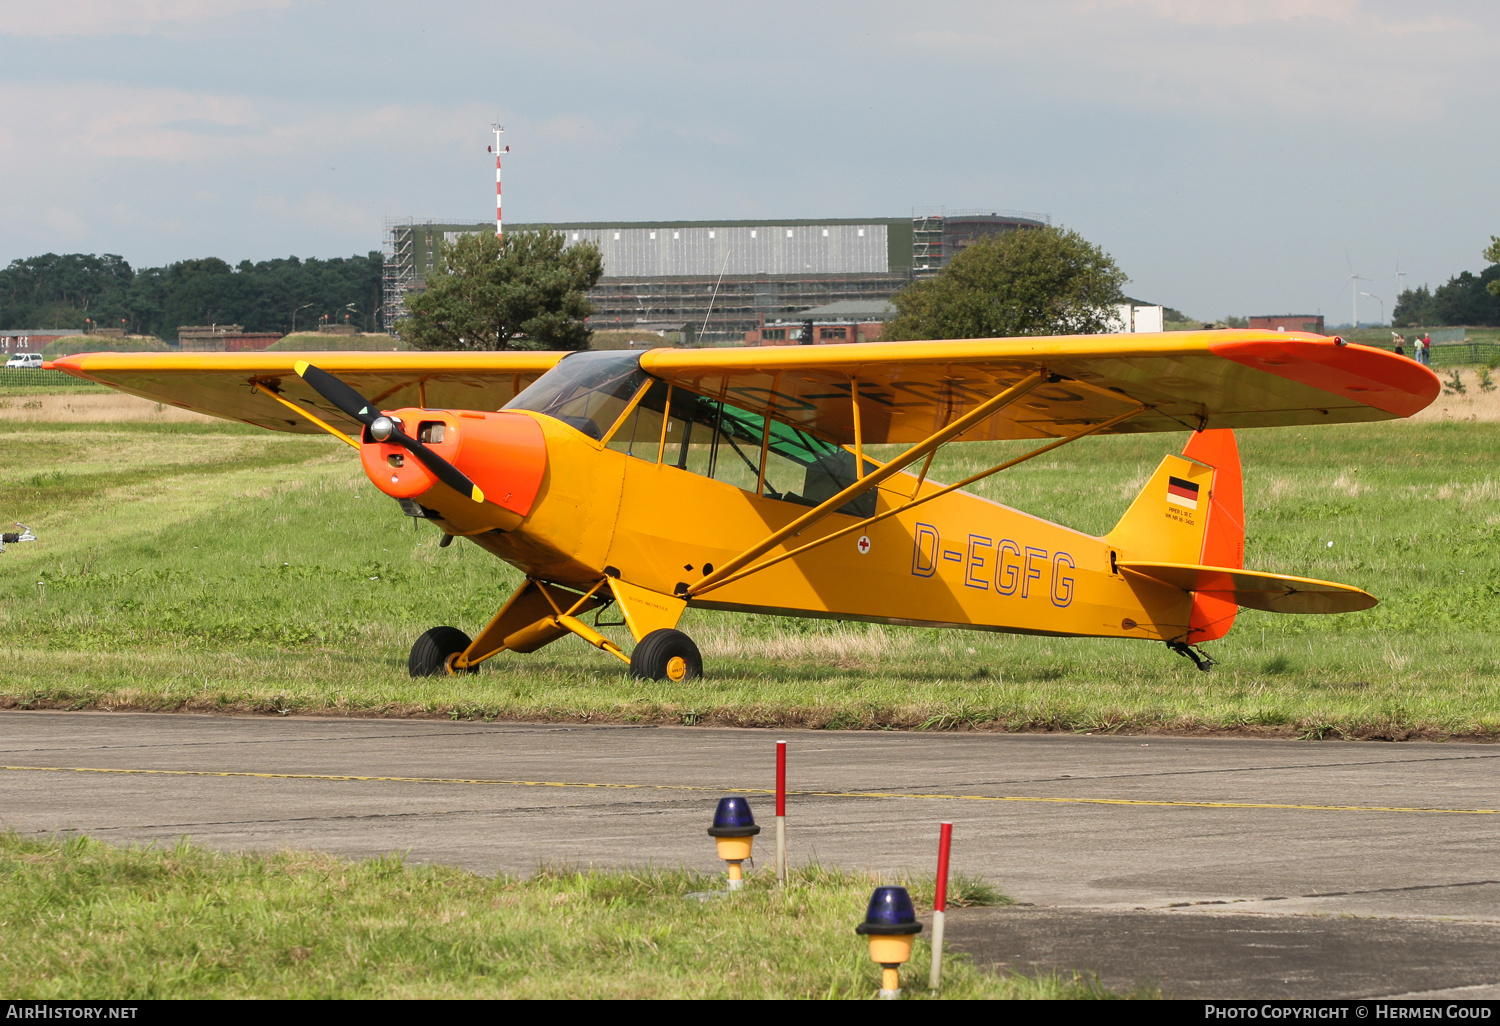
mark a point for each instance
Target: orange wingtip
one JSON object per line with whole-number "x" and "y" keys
{"x": 1367, "y": 375}
{"x": 67, "y": 364}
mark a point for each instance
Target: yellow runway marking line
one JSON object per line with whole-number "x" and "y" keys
{"x": 1157, "y": 803}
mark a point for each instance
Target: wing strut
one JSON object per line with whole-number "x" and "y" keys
{"x": 299, "y": 411}
{"x": 861, "y": 485}
{"x": 863, "y": 524}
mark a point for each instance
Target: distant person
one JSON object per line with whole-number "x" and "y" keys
{"x": 1426, "y": 351}
{"x": 1400, "y": 349}
{"x": 1398, "y": 343}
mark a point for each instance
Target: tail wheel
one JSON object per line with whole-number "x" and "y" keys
{"x": 666, "y": 654}
{"x": 434, "y": 651}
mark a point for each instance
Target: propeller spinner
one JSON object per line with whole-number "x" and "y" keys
{"x": 385, "y": 429}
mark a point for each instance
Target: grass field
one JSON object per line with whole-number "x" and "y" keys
{"x": 85, "y": 920}
{"x": 18, "y": 383}
{"x": 191, "y": 564}
{"x": 316, "y": 341}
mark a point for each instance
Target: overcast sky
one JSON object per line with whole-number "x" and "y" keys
{"x": 1227, "y": 153}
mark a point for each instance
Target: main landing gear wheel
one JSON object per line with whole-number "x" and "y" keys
{"x": 666, "y": 655}
{"x": 430, "y": 655}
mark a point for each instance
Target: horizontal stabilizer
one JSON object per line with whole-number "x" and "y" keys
{"x": 1275, "y": 593}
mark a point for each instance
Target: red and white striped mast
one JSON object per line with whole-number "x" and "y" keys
{"x": 499, "y": 130}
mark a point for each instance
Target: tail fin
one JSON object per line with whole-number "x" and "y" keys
{"x": 1192, "y": 511}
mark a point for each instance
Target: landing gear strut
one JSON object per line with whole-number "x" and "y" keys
{"x": 1200, "y": 658}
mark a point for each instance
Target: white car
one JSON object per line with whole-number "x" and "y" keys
{"x": 24, "y": 360}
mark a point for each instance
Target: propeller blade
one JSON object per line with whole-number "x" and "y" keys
{"x": 441, "y": 468}
{"x": 361, "y": 409}
{"x": 335, "y": 391}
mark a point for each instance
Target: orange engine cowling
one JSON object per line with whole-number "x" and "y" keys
{"x": 505, "y": 454}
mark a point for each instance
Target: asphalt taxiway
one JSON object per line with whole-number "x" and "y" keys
{"x": 1208, "y": 867}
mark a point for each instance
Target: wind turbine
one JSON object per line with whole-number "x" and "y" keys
{"x": 1354, "y": 280}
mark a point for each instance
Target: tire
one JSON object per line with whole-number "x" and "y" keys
{"x": 430, "y": 655}
{"x": 666, "y": 655}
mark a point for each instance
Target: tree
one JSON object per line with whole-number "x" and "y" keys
{"x": 524, "y": 290}
{"x": 1040, "y": 281}
{"x": 1414, "y": 308}
{"x": 1492, "y": 254}
{"x": 63, "y": 291}
{"x": 1465, "y": 298}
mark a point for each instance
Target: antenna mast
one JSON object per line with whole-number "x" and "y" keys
{"x": 499, "y": 130}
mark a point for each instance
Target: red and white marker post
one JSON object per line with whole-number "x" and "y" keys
{"x": 939, "y": 905}
{"x": 499, "y": 130}
{"x": 781, "y": 813}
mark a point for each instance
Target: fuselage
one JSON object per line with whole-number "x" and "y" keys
{"x": 959, "y": 560}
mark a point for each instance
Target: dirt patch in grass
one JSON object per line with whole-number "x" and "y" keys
{"x": 758, "y": 718}
{"x": 95, "y": 408}
{"x": 1474, "y": 403}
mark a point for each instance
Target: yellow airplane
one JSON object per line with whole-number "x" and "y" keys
{"x": 737, "y": 479}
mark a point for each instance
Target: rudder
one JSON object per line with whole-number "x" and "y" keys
{"x": 1224, "y": 534}
{"x": 1191, "y": 511}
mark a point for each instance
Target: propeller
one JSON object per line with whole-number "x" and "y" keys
{"x": 385, "y": 429}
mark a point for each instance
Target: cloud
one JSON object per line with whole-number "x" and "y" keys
{"x": 1305, "y": 63}
{"x": 63, "y": 18}
{"x": 322, "y": 208}
{"x": 111, "y": 120}
{"x": 1235, "y": 12}
{"x": 1242, "y": 13}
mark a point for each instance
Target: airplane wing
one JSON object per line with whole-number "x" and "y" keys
{"x": 907, "y": 390}
{"x": 223, "y": 384}
{"x": 1188, "y": 380}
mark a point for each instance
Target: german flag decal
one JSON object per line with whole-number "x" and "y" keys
{"x": 1182, "y": 493}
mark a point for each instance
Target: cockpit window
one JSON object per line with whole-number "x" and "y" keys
{"x": 587, "y": 391}
{"x": 701, "y": 435}
{"x": 712, "y": 438}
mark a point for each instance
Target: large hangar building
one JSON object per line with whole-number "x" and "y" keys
{"x": 713, "y": 281}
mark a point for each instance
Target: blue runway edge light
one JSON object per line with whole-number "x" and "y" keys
{"x": 890, "y": 912}
{"x": 733, "y": 818}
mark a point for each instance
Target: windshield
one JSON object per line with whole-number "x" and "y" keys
{"x": 587, "y": 391}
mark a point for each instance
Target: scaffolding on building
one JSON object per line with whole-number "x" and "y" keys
{"x": 935, "y": 240}
{"x": 707, "y": 310}
{"x": 400, "y": 271}
{"x": 926, "y": 244}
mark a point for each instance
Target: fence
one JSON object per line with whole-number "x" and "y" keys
{"x": 32, "y": 377}
{"x": 1459, "y": 354}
